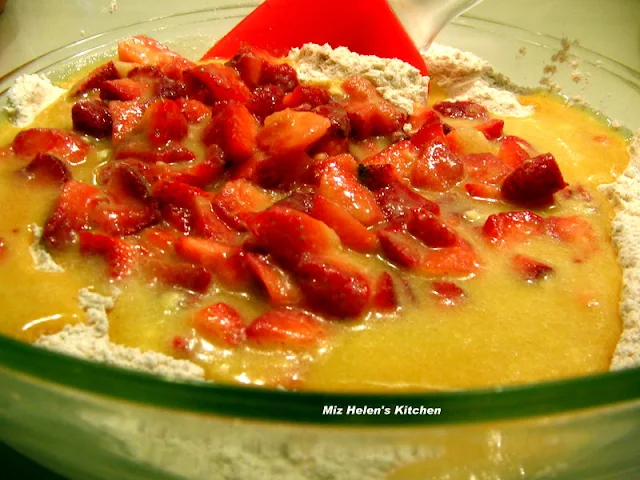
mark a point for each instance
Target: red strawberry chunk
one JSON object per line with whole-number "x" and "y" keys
{"x": 220, "y": 323}
{"x": 530, "y": 270}
{"x": 333, "y": 288}
{"x": 124, "y": 219}
{"x": 422, "y": 115}
{"x": 125, "y": 184}
{"x": 577, "y": 231}
{"x": 448, "y": 293}
{"x": 290, "y": 328}
{"x": 203, "y": 173}
{"x": 437, "y": 168}
{"x": 306, "y": 98}
{"x": 301, "y": 200}
{"x": 240, "y": 196}
{"x": 431, "y": 132}
{"x": 119, "y": 255}
{"x": 47, "y": 168}
{"x": 280, "y": 74}
{"x": 279, "y": 285}
{"x": 126, "y": 118}
{"x": 462, "y": 109}
{"x": 165, "y": 123}
{"x": 492, "y": 129}
{"x": 222, "y": 82}
{"x": 92, "y": 117}
{"x": 249, "y": 62}
{"x": 234, "y": 129}
{"x": 401, "y": 155}
{"x": 95, "y": 78}
{"x": 483, "y": 191}
{"x": 351, "y": 232}
{"x": 534, "y": 182}
{"x": 384, "y": 297}
{"x": 146, "y": 50}
{"x": 502, "y": 229}
{"x": 158, "y": 241}
{"x": 64, "y": 145}
{"x": 193, "y": 110}
{"x": 289, "y": 234}
{"x": 281, "y": 171}
{"x": 141, "y": 149}
{"x": 265, "y": 100}
{"x": 72, "y": 212}
{"x": 184, "y": 275}
{"x": 511, "y": 153}
{"x": 289, "y": 130}
{"x": 124, "y": 89}
{"x": 425, "y": 226}
{"x": 484, "y": 168}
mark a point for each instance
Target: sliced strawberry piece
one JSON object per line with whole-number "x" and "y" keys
{"x": 502, "y": 229}
{"x": 92, "y": 117}
{"x": 485, "y": 168}
{"x": 64, "y": 145}
{"x": 396, "y": 199}
{"x": 577, "y": 231}
{"x": 337, "y": 181}
{"x": 143, "y": 150}
{"x": 437, "y": 168}
{"x": 282, "y": 171}
{"x": 289, "y": 130}
{"x": 193, "y": 110}
{"x": 306, "y": 98}
{"x": 422, "y": 115}
{"x": 71, "y": 213}
{"x": 291, "y": 328}
{"x": 462, "y": 109}
{"x": 384, "y": 297}
{"x": 265, "y": 100}
{"x": 332, "y": 288}
{"x": 119, "y": 255}
{"x": 95, "y": 78}
{"x": 534, "y": 182}
{"x": 222, "y": 82}
{"x": 233, "y": 128}
{"x": 370, "y": 114}
{"x": 47, "y": 168}
{"x": 146, "y": 50}
{"x": 124, "y": 89}
{"x": 158, "y": 241}
{"x": 448, "y": 293}
{"x": 123, "y": 219}
{"x": 124, "y": 184}
{"x": 126, "y": 118}
{"x": 206, "y": 172}
{"x": 530, "y": 270}
{"x": 351, "y": 232}
{"x": 220, "y": 323}
{"x": 184, "y": 275}
{"x": 467, "y": 140}
{"x": 165, "y": 123}
{"x": 400, "y": 155}
{"x": 336, "y": 140}
{"x": 483, "y": 191}
{"x": 431, "y": 132}
{"x": 227, "y": 262}
{"x": 249, "y": 62}
{"x": 428, "y": 228}
{"x": 301, "y": 200}
{"x": 281, "y": 75}
{"x": 492, "y": 129}
{"x": 289, "y": 234}
{"x": 240, "y": 196}
{"x": 278, "y": 284}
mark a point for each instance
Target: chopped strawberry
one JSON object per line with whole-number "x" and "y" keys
{"x": 351, "y": 232}
{"x": 301, "y": 200}
{"x": 220, "y": 322}
{"x": 511, "y": 153}
{"x": 462, "y": 109}
{"x": 233, "y": 128}
{"x": 369, "y": 113}
{"x": 422, "y": 115}
{"x": 240, "y": 196}
{"x": 227, "y": 262}
{"x": 125, "y": 184}
{"x": 64, "y": 145}
{"x": 289, "y": 130}
{"x": 333, "y": 288}
{"x": 146, "y": 50}
{"x": 265, "y": 100}
{"x": 396, "y": 199}
{"x": 483, "y": 191}
{"x": 534, "y": 182}
{"x": 222, "y": 82}
{"x": 165, "y": 122}
{"x": 119, "y": 255}
{"x": 204, "y": 173}
{"x": 401, "y": 155}
{"x": 492, "y": 129}
{"x": 576, "y": 231}
{"x": 249, "y": 62}
{"x": 437, "y": 168}
{"x": 143, "y": 150}
{"x": 95, "y": 78}
{"x": 278, "y": 283}
{"x": 71, "y": 213}
{"x": 126, "y": 118}
{"x": 289, "y": 234}
{"x": 530, "y": 270}
{"x": 433, "y": 232}
{"x": 448, "y": 293}
{"x": 337, "y": 181}
{"x": 306, "y": 98}
{"x": 124, "y": 89}
{"x": 484, "y": 168}
{"x": 193, "y": 110}
{"x": 92, "y": 117}
{"x": 47, "y": 168}
{"x": 124, "y": 219}
{"x": 158, "y": 241}
{"x": 502, "y": 229}
{"x": 282, "y": 171}
{"x": 184, "y": 275}
{"x": 384, "y": 296}
{"x": 280, "y": 74}
{"x": 291, "y": 328}
{"x": 466, "y": 140}
{"x": 431, "y": 132}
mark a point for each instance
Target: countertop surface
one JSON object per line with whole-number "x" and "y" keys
{"x": 30, "y": 28}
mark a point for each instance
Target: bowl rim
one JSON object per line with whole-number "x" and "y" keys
{"x": 555, "y": 397}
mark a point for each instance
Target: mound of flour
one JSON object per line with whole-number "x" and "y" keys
{"x": 28, "y": 96}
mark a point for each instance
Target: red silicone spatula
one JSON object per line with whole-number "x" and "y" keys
{"x": 368, "y": 27}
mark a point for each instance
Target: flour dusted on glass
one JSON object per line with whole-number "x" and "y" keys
{"x": 42, "y": 261}
{"x": 28, "y": 96}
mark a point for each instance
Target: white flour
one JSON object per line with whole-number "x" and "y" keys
{"x": 28, "y": 96}
{"x": 41, "y": 258}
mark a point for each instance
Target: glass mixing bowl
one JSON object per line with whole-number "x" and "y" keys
{"x": 89, "y": 421}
